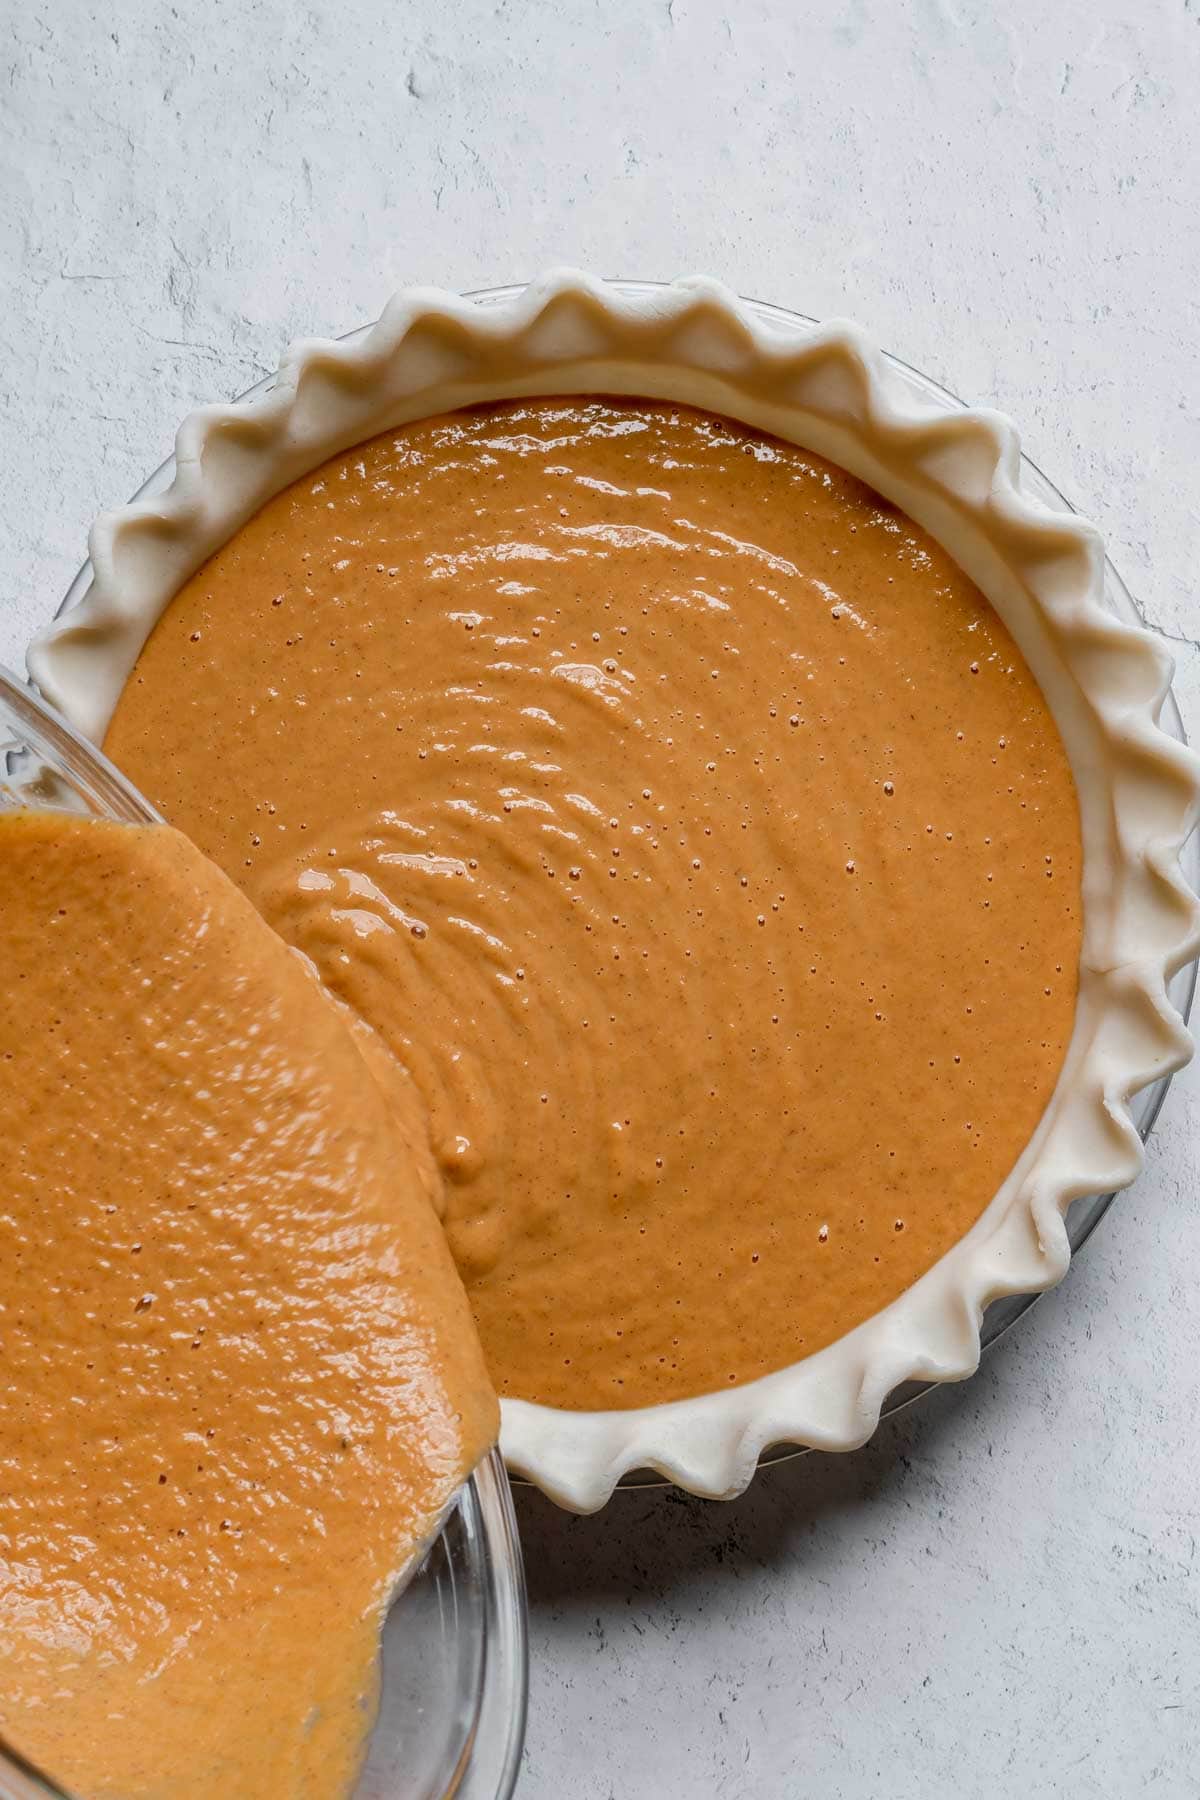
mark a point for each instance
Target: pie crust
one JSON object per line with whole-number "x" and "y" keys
{"x": 957, "y": 473}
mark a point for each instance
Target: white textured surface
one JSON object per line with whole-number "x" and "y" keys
{"x": 1000, "y": 1594}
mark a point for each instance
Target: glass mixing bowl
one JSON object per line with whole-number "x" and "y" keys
{"x": 454, "y": 1669}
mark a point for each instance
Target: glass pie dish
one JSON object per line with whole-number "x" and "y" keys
{"x": 959, "y": 473}
{"x": 454, "y": 1670}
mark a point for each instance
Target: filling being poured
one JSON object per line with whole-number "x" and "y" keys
{"x": 239, "y": 1382}
{"x": 688, "y": 827}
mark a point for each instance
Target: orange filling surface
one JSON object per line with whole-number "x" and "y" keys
{"x": 239, "y": 1382}
{"x": 689, "y": 828}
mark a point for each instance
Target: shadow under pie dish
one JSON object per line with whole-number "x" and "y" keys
{"x": 950, "y": 481}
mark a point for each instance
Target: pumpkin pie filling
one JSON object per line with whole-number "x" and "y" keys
{"x": 239, "y": 1383}
{"x": 690, "y": 831}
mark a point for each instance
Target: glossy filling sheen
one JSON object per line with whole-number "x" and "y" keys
{"x": 689, "y": 827}
{"x": 239, "y": 1382}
